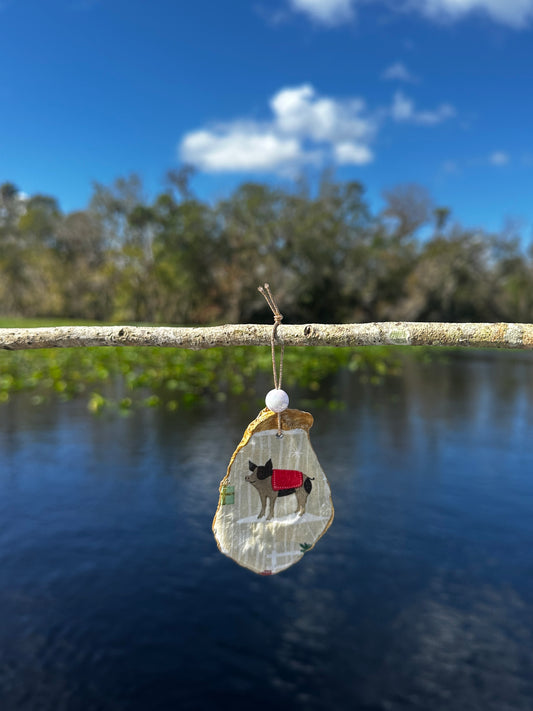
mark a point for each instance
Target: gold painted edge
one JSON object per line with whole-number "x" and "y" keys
{"x": 268, "y": 420}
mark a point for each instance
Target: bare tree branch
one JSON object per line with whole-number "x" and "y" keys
{"x": 471, "y": 335}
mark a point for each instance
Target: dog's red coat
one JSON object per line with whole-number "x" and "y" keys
{"x": 286, "y": 479}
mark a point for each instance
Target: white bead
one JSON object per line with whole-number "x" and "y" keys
{"x": 277, "y": 400}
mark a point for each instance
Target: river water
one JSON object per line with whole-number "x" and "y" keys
{"x": 113, "y": 595}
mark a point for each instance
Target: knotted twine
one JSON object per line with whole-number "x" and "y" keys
{"x": 278, "y": 318}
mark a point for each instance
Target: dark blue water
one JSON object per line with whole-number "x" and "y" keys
{"x": 113, "y": 594}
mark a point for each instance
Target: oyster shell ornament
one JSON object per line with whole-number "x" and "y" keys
{"x": 275, "y": 500}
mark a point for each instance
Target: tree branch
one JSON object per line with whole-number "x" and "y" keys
{"x": 471, "y": 335}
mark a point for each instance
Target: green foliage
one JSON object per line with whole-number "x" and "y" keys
{"x": 177, "y": 259}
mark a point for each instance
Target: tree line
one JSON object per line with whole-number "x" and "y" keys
{"x": 329, "y": 258}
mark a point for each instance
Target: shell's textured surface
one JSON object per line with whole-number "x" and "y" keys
{"x": 267, "y": 529}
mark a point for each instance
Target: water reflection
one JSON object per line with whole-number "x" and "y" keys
{"x": 113, "y": 595}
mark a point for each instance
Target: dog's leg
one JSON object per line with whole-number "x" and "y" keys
{"x": 272, "y": 498}
{"x": 263, "y": 504}
{"x": 301, "y": 497}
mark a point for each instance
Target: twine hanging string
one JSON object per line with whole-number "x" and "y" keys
{"x": 278, "y": 318}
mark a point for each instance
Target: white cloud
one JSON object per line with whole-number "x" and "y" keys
{"x": 353, "y": 154}
{"x": 399, "y": 72}
{"x": 239, "y": 147}
{"x": 305, "y": 128}
{"x": 515, "y": 13}
{"x": 327, "y": 12}
{"x": 499, "y": 158}
{"x": 403, "y": 110}
{"x": 299, "y": 111}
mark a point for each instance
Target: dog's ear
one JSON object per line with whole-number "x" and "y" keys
{"x": 251, "y": 465}
{"x": 266, "y": 471}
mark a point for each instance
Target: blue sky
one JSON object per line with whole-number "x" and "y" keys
{"x": 438, "y": 92}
